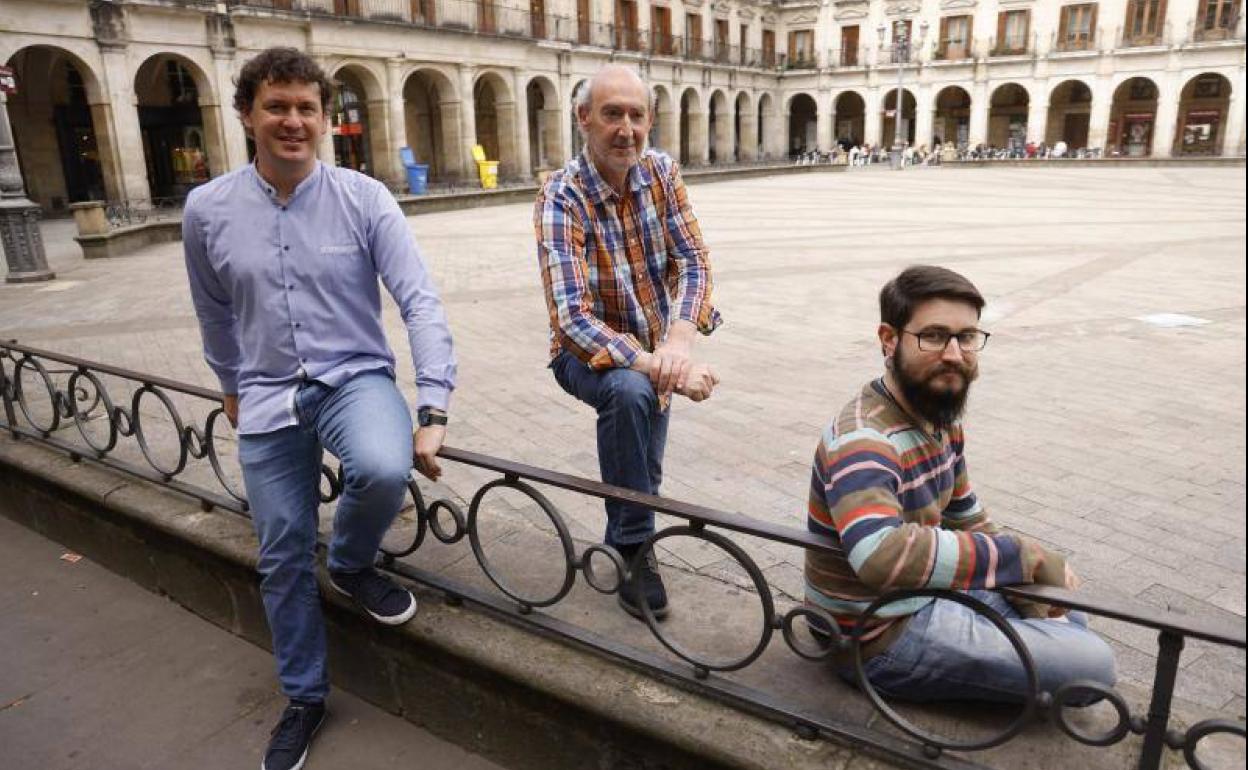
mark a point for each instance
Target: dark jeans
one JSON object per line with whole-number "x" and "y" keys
{"x": 632, "y": 432}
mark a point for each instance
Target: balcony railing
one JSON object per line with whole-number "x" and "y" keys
{"x": 1129, "y": 38}
{"x": 1081, "y": 41}
{"x": 1197, "y": 32}
{"x": 799, "y": 60}
{"x": 947, "y": 50}
{"x": 1011, "y": 45}
{"x": 848, "y": 58}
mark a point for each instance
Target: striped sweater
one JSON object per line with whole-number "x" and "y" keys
{"x": 899, "y": 501}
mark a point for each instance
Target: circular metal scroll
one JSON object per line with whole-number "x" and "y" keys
{"x": 595, "y": 579}
{"x": 29, "y": 363}
{"x": 81, "y": 416}
{"x": 136, "y": 421}
{"x": 1201, "y": 730}
{"x": 565, "y": 541}
{"x": 1076, "y": 690}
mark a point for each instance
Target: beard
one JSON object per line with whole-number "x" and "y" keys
{"x": 942, "y": 408}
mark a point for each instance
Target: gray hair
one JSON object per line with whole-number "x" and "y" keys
{"x": 581, "y": 94}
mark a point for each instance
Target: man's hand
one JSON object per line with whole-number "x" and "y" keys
{"x": 669, "y": 371}
{"x": 700, "y": 383}
{"x": 428, "y": 440}
{"x": 229, "y": 403}
{"x": 1072, "y": 584}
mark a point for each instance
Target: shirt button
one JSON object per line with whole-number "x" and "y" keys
{"x": 291, "y": 287}
{"x": 298, "y": 324}
{"x": 285, "y": 248}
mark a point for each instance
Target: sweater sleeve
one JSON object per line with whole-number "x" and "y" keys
{"x": 862, "y": 484}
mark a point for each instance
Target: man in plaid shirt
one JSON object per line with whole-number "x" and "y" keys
{"x": 628, "y": 283}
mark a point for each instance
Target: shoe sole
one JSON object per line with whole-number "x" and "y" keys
{"x": 636, "y": 612}
{"x": 389, "y": 620}
{"x": 304, "y": 757}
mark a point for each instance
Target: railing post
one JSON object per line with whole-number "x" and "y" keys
{"x": 1170, "y": 647}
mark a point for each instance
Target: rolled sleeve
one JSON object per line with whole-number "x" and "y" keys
{"x": 690, "y": 270}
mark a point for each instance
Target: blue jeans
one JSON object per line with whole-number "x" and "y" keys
{"x": 365, "y": 423}
{"x": 948, "y": 652}
{"x": 632, "y": 432}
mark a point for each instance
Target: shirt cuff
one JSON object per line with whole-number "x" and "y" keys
{"x": 434, "y": 397}
{"x": 620, "y": 352}
{"x": 229, "y": 382}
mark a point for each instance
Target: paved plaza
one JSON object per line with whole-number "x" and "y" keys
{"x": 1100, "y": 426}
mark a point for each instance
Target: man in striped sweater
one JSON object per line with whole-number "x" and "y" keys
{"x": 890, "y": 484}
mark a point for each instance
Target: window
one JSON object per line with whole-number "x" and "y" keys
{"x": 1013, "y": 27}
{"x": 721, "y": 40}
{"x": 901, "y": 40}
{"x": 626, "y": 25}
{"x": 661, "y": 29}
{"x": 693, "y": 34}
{"x": 1216, "y": 19}
{"x": 425, "y": 12}
{"x": 955, "y": 38}
{"x": 769, "y": 48}
{"x": 486, "y": 16}
{"x": 849, "y": 46}
{"x": 582, "y": 21}
{"x": 347, "y": 7}
{"x": 802, "y": 48}
{"x": 1077, "y": 30}
{"x": 1145, "y": 22}
{"x": 537, "y": 17}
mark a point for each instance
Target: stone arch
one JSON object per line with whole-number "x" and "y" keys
{"x": 693, "y": 146}
{"x": 768, "y": 132}
{"x": 889, "y": 114}
{"x": 803, "y": 114}
{"x": 358, "y": 124}
{"x": 544, "y": 120}
{"x": 1007, "y": 115}
{"x": 719, "y": 128}
{"x": 431, "y": 107}
{"x": 1070, "y": 114}
{"x": 495, "y": 112}
{"x": 850, "y": 109}
{"x": 1132, "y": 116}
{"x": 663, "y": 129}
{"x": 71, "y": 162}
{"x": 1204, "y": 105}
{"x": 180, "y": 124}
{"x": 951, "y": 122}
{"x": 745, "y": 128}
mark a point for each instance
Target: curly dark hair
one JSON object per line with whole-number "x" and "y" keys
{"x": 279, "y": 65}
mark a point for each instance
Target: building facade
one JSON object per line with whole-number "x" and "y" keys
{"x": 131, "y": 99}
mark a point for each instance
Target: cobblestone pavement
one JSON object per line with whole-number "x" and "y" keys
{"x": 1098, "y": 428}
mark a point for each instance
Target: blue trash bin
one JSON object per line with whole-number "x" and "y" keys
{"x": 417, "y": 178}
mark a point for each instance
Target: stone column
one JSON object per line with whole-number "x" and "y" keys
{"x": 873, "y": 119}
{"x": 1167, "y": 117}
{"x": 385, "y": 155}
{"x": 1098, "y": 119}
{"x": 1037, "y": 119}
{"x": 398, "y": 115}
{"x": 523, "y": 153}
{"x": 725, "y": 135}
{"x": 924, "y": 116}
{"x": 825, "y": 121}
{"x": 19, "y": 217}
{"x": 1233, "y": 138}
{"x": 566, "y": 124}
{"x": 699, "y": 152}
{"x": 467, "y": 121}
{"x": 748, "y": 140}
{"x": 980, "y": 107}
{"x": 127, "y": 138}
{"x": 233, "y": 135}
{"x": 106, "y": 145}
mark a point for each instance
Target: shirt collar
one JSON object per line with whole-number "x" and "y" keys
{"x": 599, "y": 190}
{"x": 271, "y": 191}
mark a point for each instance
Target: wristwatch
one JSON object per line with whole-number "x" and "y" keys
{"x": 426, "y": 415}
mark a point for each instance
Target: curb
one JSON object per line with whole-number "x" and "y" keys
{"x": 518, "y": 698}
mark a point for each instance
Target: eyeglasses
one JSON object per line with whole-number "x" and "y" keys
{"x": 936, "y": 340}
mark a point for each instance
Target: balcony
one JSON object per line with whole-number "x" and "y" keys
{"x": 847, "y": 58}
{"x": 1011, "y": 45}
{"x": 799, "y": 60}
{"x": 951, "y": 51}
{"x": 1198, "y": 33}
{"x": 1082, "y": 41}
{"x": 1145, "y": 38}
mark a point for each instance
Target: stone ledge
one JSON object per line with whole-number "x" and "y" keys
{"x": 125, "y": 240}
{"x": 527, "y": 701}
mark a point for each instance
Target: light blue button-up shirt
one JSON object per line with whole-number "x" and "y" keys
{"x": 289, "y": 292}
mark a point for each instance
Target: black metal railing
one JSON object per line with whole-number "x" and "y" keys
{"x": 127, "y": 213}
{"x": 70, "y": 403}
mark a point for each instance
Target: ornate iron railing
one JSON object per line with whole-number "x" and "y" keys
{"x": 45, "y": 392}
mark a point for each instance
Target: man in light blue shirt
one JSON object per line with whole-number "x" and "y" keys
{"x": 284, "y": 258}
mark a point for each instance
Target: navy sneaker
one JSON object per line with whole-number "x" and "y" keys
{"x": 380, "y": 596}
{"x": 643, "y": 580}
{"x": 288, "y": 746}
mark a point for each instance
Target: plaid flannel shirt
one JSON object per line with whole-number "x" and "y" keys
{"x": 618, "y": 270}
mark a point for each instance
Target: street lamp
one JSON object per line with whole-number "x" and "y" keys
{"x": 901, "y": 54}
{"x": 19, "y": 218}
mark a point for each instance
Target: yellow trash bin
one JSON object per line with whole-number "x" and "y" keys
{"x": 488, "y": 169}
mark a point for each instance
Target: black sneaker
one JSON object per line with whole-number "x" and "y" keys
{"x": 643, "y": 580}
{"x": 288, "y": 748}
{"x": 380, "y": 596}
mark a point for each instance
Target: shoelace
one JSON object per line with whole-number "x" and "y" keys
{"x": 288, "y": 731}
